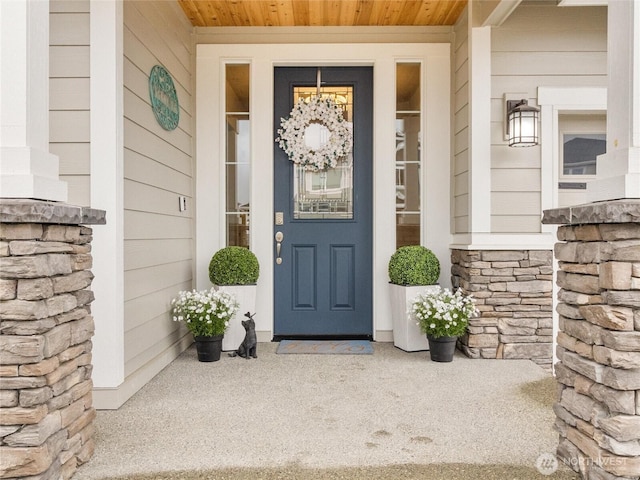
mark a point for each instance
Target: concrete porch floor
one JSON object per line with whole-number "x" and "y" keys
{"x": 324, "y": 411}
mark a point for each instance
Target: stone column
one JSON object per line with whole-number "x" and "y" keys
{"x": 598, "y": 408}
{"x": 46, "y": 326}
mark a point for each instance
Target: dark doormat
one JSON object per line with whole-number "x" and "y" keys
{"x": 325, "y": 347}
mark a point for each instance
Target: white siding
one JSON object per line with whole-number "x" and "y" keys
{"x": 69, "y": 95}
{"x": 538, "y": 45}
{"x": 158, "y": 168}
{"x": 460, "y": 78}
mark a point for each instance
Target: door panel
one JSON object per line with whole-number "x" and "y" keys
{"x": 304, "y": 277}
{"x": 342, "y": 277}
{"x": 323, "y": 284}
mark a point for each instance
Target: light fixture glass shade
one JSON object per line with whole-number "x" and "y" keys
{"x": 523, "y": 125}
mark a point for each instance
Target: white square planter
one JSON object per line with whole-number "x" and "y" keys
{"x": 246, "y": 297}
{"x": 406, "y": 334}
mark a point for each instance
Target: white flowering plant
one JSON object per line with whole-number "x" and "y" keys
{"x": 324, "y": 111}
{"x": 442, "y": 313}
{"x": 206, "y": 313}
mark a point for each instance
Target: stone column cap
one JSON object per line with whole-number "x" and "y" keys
{"x": 625, "y": 210}
{"x": 38, "y": 211}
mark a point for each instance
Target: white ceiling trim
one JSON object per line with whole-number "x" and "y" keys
{"x": 502, "y": 11}
{"x": 582, "y": 3}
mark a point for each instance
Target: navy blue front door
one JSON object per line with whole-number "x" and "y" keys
{"x": 323, "y": 283}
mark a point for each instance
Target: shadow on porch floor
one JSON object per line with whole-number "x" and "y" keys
{"x": 308, "y": 416}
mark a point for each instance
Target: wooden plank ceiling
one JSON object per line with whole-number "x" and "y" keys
{"x": 305, "y": 13}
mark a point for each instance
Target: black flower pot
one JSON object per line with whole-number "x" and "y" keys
{"x": 209, "y": 348}
{"x": 442, "y": 349}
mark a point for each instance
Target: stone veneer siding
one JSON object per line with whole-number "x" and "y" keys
{"x": 46, "y": 410}
{"x": 513, "y": 291}
{"x": 598, "y": 408}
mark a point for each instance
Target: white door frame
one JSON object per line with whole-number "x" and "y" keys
{"x": 263, "y": 58}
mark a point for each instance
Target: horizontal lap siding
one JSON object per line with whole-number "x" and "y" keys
{"x": 461, "y": 126}
{"x": 69, "y": 101}
{"x": 158, "y": 168}
{"x": 515, "y": 216}
{"x": 538, "y": 45}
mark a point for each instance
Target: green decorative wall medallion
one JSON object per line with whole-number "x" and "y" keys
{"x": 164, "y": 100}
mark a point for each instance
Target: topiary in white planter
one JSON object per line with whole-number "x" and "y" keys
{"x": 406, "y": 332}
{"x": 412, "y": 270}
{"x": 236, "y": 270}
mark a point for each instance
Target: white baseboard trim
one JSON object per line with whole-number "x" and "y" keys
{"x": 114, "y": 398}
{"x": 383, "y": 336}
{"x": 264, "y": 336}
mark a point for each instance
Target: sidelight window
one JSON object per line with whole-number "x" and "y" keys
{"x": 237, "y": 156}
{"x": 408, "y": 154}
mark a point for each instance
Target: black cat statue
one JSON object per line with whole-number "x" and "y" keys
{"x": 249, "y": 345}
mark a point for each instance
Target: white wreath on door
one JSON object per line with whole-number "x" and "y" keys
{"x": 323, "y": 111}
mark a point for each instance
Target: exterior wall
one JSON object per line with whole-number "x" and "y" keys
{"x": 538, "y": 45}
{"x": 598, "y": 408}
{"x": 500, "y": 250}
{"x": 69, "y": 133}
{"x": 158, "y": 168}
{"x": 460, "y": 89}
{"x": 513, "y": 292}
{"x": 46, "y": 403}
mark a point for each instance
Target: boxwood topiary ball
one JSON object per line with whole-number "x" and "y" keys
{"x": 234, "y": 266}
{"x": 414, "y": 265}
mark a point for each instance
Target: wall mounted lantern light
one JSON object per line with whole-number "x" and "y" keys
{"x": 522, "y": 124}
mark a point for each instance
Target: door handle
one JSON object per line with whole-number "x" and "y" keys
{"x": 279, "y": 238}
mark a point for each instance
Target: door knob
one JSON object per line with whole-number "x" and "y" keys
{"x": 279, "y": 238}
